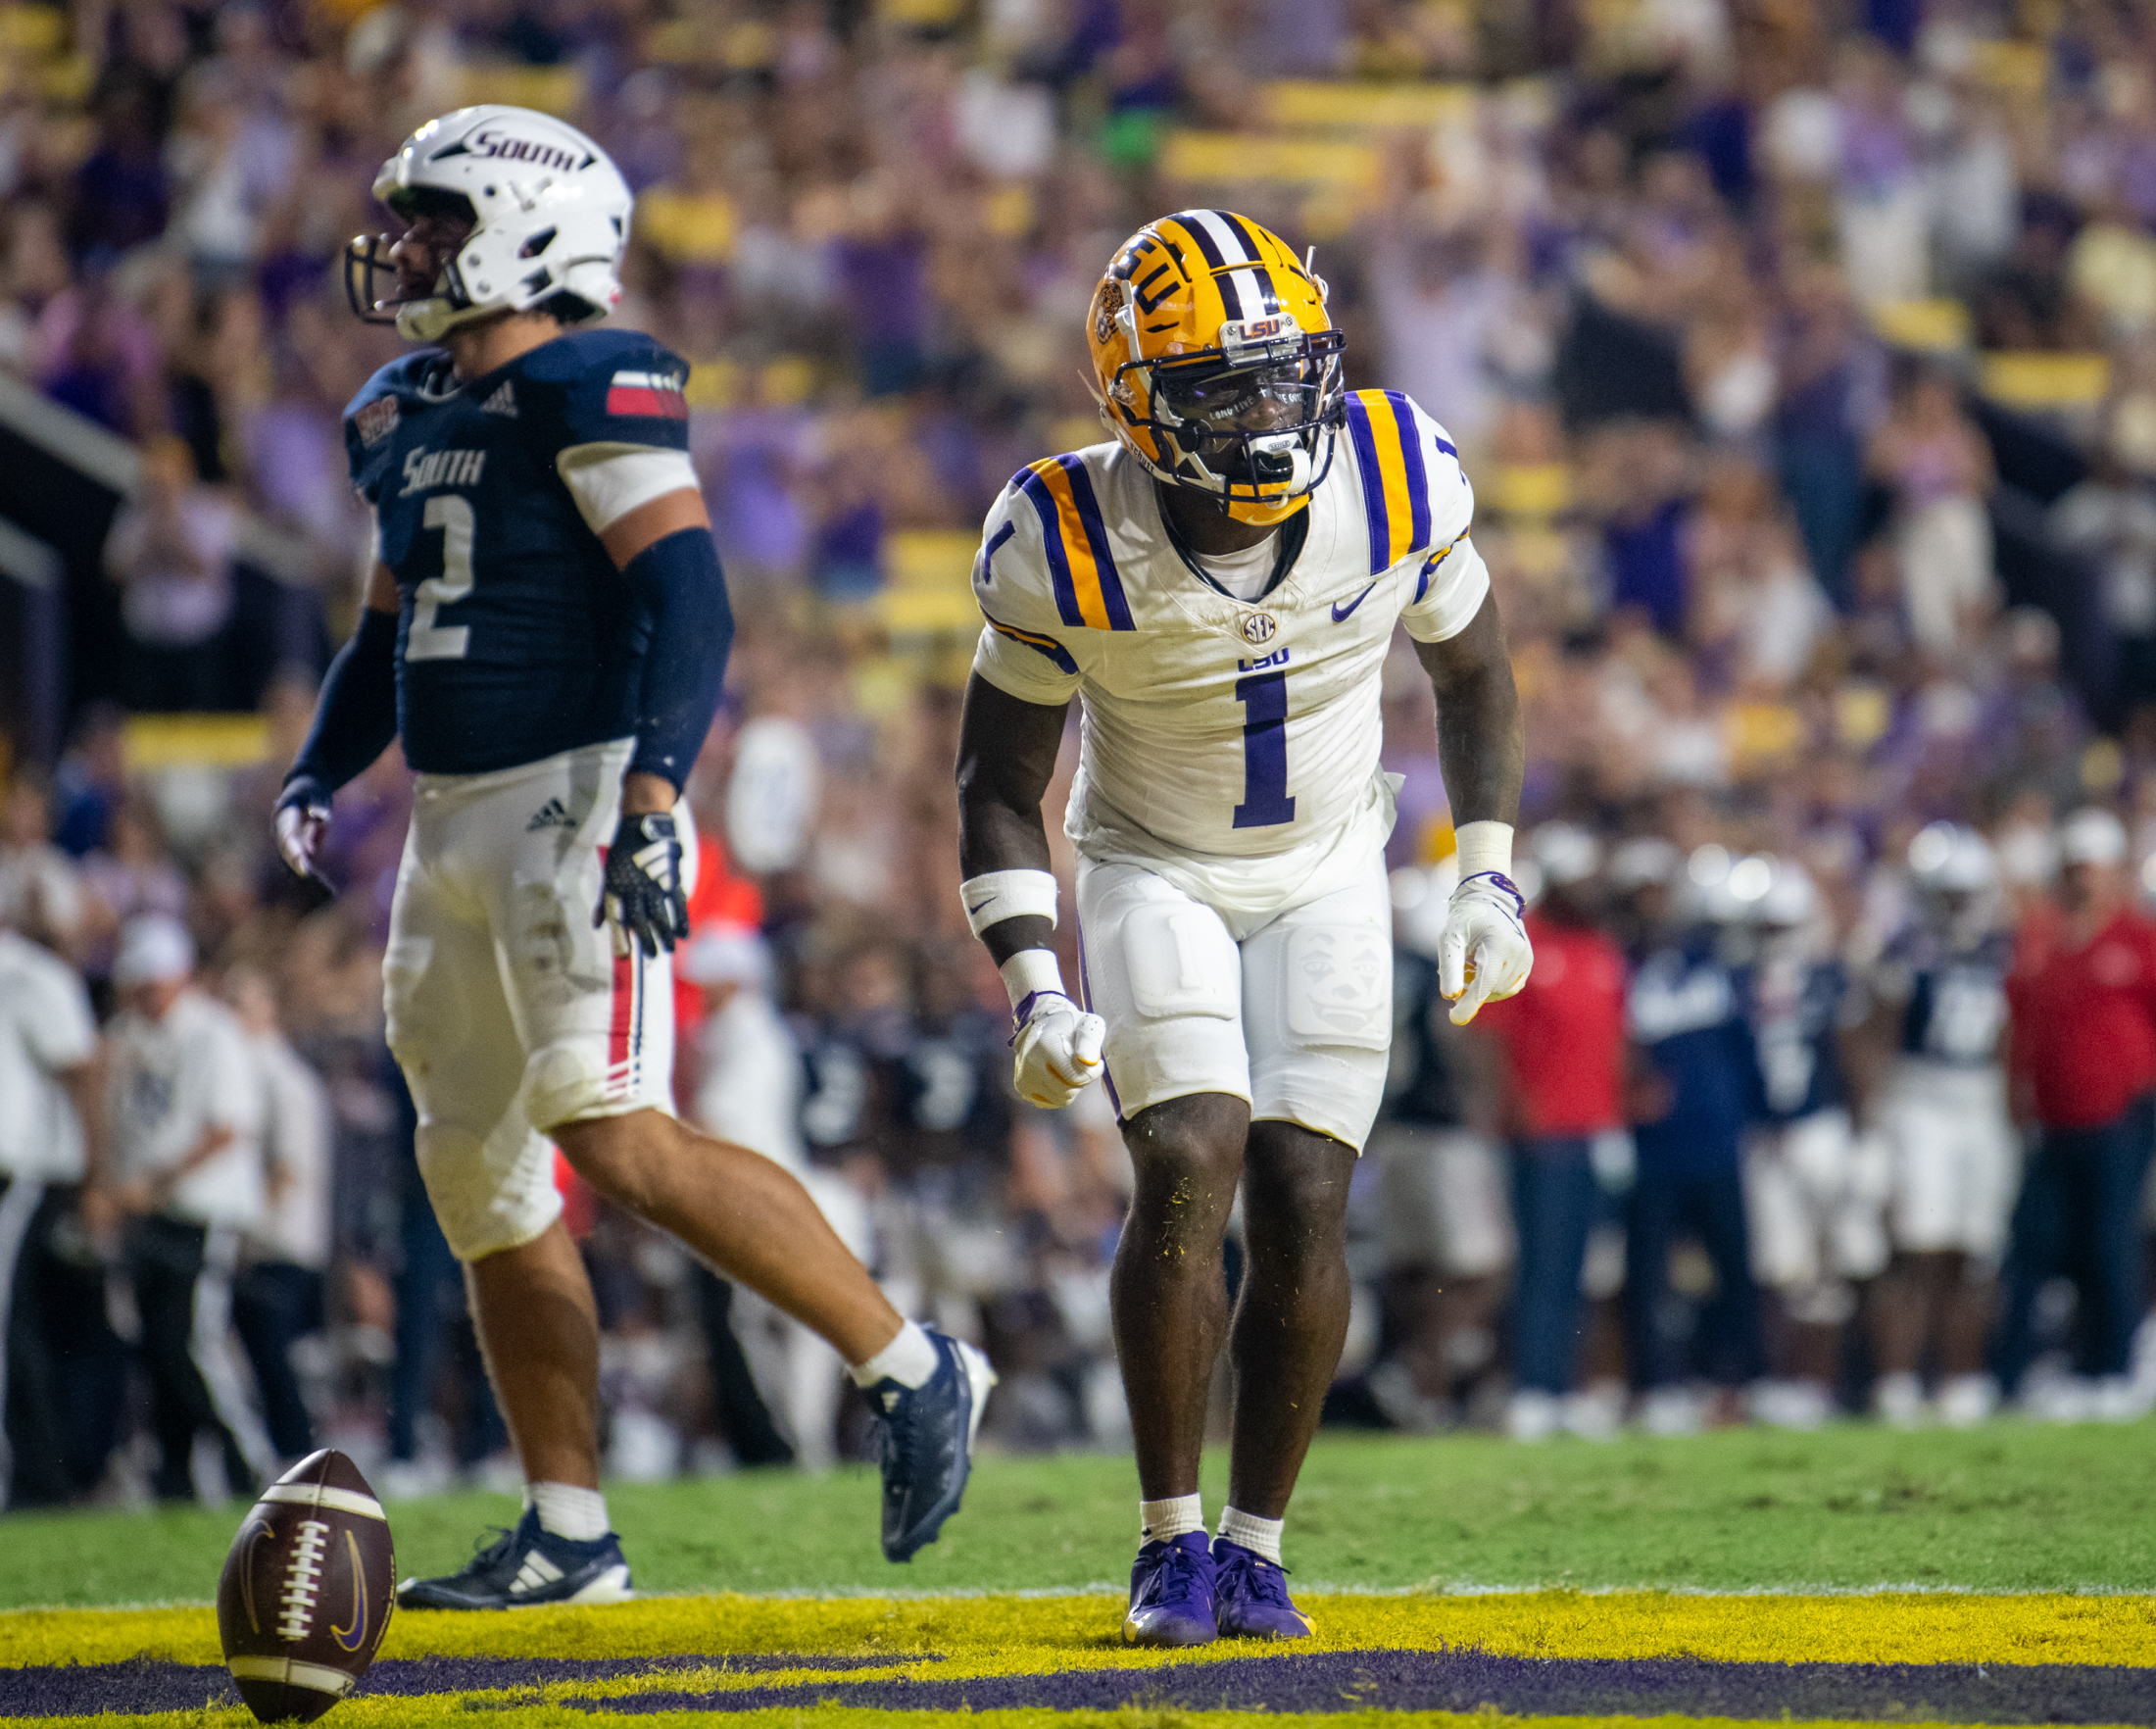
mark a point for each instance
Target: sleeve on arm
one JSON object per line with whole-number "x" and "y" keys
{"x": 608, "y": 479}
{"x": 1449, "y": 592}
{"x": 60, "y": 1029}
{"x": 1026, "y": 650}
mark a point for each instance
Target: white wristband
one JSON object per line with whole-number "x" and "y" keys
{"x": 1029, "y": 972}
{"x": 1485, "y": 847}
{"x": 998, "y": 895}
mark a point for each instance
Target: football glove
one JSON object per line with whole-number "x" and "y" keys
{"x": 1483, "y": 952}
{"x": 303, "y": 824}
{"x": 1058, "y": 1048}
{"x": 642, "y": 897}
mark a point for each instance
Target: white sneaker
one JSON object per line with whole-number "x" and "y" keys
{"x": 2117, "y": 1399}
{"x": 1898, "y": 1401}
{"x": 1670, "y": 1411}
{"x": 1405, "y": 1405}
{"x": 413, "y": 1479}
{"x": 1595, "y": 1413}
{"x": 2059, "y": 1399}
{"x": 1792, "y": 1405}
{"x": 1531, "y": 1416}
{"x": 1965, "y": 1400}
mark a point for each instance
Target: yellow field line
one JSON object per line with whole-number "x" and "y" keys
{"x": 1008, "y": 1635}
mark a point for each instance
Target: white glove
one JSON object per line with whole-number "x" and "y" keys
{"x": 1483, "y": 954}
{"x": 1057, "y": 1050}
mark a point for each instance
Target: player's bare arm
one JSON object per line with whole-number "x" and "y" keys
{"x": 1482, "y": 748}
{"x": 1006, "y": 755}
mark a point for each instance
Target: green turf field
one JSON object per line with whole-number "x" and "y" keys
{"x": 2013, "y": 1506}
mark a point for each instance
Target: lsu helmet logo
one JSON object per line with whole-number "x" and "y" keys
{"x": 1106, "y": 305}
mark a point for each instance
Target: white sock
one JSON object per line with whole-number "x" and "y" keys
{"x": 1258, "y": 1536}
{"x": 1178, "y": 1514}
{"x": 579, "y": 1514}
{"x": 910, "y": 1359}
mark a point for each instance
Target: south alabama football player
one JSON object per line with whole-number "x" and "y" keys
{"x": 546, "y": 629}
{"x": 1218, "y": 583}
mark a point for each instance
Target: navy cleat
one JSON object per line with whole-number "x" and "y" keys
{"x": 928, "y": 1436}
{"x": 524, "y": 1567}
{"x": 1251, "y": 1597}
{"x": 1171, "y": 1593}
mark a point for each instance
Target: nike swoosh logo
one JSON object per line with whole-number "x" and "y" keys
{"x": 975, "y": 911}
{"x": 1341, "y": 612}
{"x": 353, "y": 1637}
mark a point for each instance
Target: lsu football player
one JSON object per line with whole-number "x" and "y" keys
{"x": 1219, "y": 586}
{"x": 546, "y": 629}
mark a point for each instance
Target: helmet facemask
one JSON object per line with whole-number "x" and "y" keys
{"x": 1250, "y": 423}
{"x": 440, "y": 304}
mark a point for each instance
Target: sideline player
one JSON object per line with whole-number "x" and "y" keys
{"x": 1220, "y": 583}
{"x": 546, "y": 627}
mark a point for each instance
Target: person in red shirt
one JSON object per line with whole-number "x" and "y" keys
{"x": 2083, "y": 1031}
{"x": 1564, "y": 1039}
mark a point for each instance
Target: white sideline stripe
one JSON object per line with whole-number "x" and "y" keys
{"x": 320, "y": 1494}
{"x": 110, "y": 459}
{"x": 314, "y": 1677}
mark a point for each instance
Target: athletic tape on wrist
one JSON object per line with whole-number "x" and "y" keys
{"x": 998, "y": 895}
{"x": 1029, "y": 973}
{"x": 1485, "y": 849}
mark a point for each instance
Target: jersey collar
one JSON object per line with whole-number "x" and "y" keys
{"x": 1287, "y": 547}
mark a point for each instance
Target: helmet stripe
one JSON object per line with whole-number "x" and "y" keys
{"x": 1209, "y": 234}
{"x": 1251, "y": 251}
{"x": 1088, "y": 590}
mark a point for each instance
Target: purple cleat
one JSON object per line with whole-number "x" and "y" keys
{"x": 1171, "y": 1593}
{"x": 1251, "y": 1597}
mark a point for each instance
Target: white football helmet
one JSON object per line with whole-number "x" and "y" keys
{"x": 550, "y": 214}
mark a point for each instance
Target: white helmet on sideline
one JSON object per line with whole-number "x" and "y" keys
{"x": 550, "y": 214}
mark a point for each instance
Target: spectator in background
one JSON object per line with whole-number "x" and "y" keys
{"x": 1813, "y": 1186}
{"x": 171, "y": 550}
{"x": 1444, "y": 1225}
{"x": 277, "y": 1298}
{"x": 40, "y": 892}
{"x": 1695, "y": 1088}
{"x": 1563, "y": 1037}
{"x": 1954, "y": 1161}
{"x": 52, "y": 1163}
{"x": 2110, "y": 519}
{"x": 2082, "y": 1000}
{"x": 748, "y": 1091}
{"x": 187, "y": 1115}
{"x": 1939, "y": 468}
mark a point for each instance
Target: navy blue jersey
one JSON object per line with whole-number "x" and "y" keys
{"x": 516, "y": 638}
{"x": 1797, "y": 1014}
{"x": 1423, "y": 1086}
{"x": 1687, "y": 1010}
{"x": 1956, "y": 1006}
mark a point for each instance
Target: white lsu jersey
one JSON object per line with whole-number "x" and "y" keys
{"x": 1229, "y": 744}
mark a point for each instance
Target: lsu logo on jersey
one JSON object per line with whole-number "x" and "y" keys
{"x": 425, "y": 470}
{"x": 647, "y": 393}
{"x": 377, "y": 421}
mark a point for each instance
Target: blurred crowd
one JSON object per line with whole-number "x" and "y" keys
{"x": 1803, "y": 357}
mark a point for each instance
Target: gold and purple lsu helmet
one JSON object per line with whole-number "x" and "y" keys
{"x": 1216, "y": 363}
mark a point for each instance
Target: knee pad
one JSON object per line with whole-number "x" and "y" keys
{"x": 1339, "y": 986}
{"x": 1180, "y": 960}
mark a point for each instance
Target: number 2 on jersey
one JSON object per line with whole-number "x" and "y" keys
{"x": 1266, "y": 799}
{"x": 427, "y": 640}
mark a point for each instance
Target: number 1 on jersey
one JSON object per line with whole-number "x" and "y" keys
{"x": 1265, "y": 801}
{"x": 427, "y": 640}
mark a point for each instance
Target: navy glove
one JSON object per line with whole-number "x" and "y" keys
{"x": 642, "y": 897}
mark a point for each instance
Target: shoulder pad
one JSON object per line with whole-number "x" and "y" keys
{"x": 1414, "y": 495}
{"x": 1047, "y": 534}
{"x": 608, "y": 387}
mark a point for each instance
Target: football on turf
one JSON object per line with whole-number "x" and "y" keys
{"x": 306, "y": 1592}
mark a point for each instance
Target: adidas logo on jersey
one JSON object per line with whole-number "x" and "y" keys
{"x": 502, "y": 402}
{"x": 551, "y": 815}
